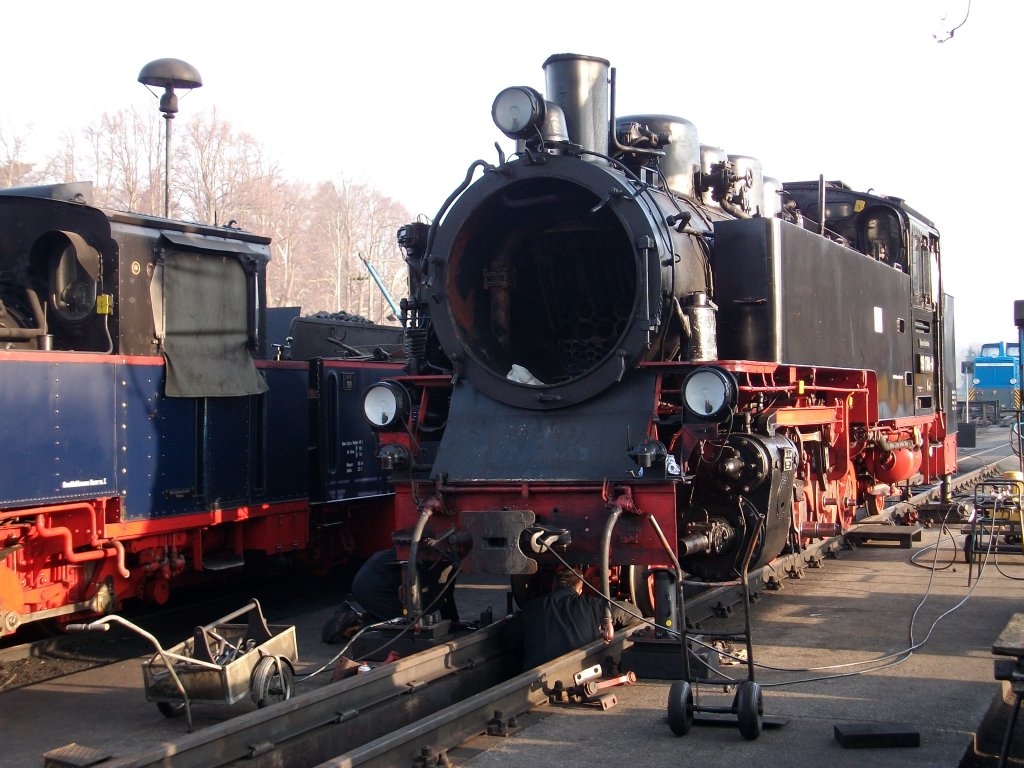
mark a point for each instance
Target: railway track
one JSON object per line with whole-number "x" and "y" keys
{"x": 402, "y": 713}
{"x": 392, "y": 715}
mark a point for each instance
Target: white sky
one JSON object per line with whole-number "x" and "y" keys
{"x": 399, "y": 94}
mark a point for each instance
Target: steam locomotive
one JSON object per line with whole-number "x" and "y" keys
{"x": 147, "y": 434}
{"x": 627, "y": 346}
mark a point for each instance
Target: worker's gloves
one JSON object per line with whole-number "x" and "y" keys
{"x": 607, "y": 631}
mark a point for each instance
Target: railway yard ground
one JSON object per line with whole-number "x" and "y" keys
{"x": 855, "y": 613}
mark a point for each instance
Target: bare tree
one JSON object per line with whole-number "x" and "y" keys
{"x": 280, "y": 210}
{"x": 132, "y": 146}
{"x": 212, "y": 164}
{"x": 350, "y": 222}
{"x": 380, "y": 219}
{"x": 330, "y": 264}
{"x": 61, "y": 167}
{"x": 14, "y": 169}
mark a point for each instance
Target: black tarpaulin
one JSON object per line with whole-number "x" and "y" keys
{"x": 206, "y": 328}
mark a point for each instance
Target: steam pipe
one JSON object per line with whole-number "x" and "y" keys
{"x": 20, "y": 333}
{"x": 613, "y": 134}
{"x": 119, "y": 549}
{"x": 621, "y": 504}
{"x": 729, "y": 207}
{"x": 430, "y": 506}
{"x": 37, "y": 313}
{"x": 896, "y": 445}
{"x": 71, "y": 556}
{"x": 432, "y": 233}
{"x": 37, "y": 309}
{"x": 665, "y": 545}
{"x": 694, "y": 544}
{"x": 608, "y": 628}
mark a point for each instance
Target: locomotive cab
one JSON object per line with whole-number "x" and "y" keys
{"x": 54, "y": 254}
{"x": 77, "y": 279}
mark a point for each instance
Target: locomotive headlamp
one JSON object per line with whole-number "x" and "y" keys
{"x": 393, "y": 456}
{"x": 386, "y": 405}
{"x": 518, "y": 112}
{"x": 709, "y": 393}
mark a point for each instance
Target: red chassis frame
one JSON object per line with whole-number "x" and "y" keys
{"x": 849, "y": 458}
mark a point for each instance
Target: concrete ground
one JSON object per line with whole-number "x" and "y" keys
{"x": 106, "y": 707}
{"x": 855, "y": 609}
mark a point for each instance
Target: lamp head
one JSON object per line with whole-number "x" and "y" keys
{"x": 170, "y": 74}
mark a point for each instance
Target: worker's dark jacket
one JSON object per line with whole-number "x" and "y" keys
{"x": 378, "y": 583}
{"x": 560, "y": 622}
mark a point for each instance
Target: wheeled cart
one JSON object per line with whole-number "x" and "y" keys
{"x": 222, "y": 661}
{"x": 747, "y": 706}
{"x": 996, "y": 525}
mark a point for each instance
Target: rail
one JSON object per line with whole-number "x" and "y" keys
{"x": 365, "y": 720}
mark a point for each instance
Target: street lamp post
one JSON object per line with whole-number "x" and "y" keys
{"x": 169, "y": 74}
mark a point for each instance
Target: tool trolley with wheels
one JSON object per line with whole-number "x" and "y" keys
{"x": 222, "y": 661}
{"x": 684, "y": 706}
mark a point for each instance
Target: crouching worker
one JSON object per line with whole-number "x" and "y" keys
{"x": 563, "y": 620}
{"x": 377, "y": 594}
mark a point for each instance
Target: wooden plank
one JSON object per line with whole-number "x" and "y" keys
{"x": 874, "y": 735}
{"x": 74, "y": 755}
{"x": 904, "y": 534}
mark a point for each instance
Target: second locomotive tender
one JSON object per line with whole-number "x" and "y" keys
{"x": 620, "y": 326}
{"x": 146, "y": 435}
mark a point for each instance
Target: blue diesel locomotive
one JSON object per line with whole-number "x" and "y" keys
{"x": 994, "y": 382}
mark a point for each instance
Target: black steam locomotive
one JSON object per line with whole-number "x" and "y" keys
{"x": 632, "y": 347}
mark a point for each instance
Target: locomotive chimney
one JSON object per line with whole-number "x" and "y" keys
{"x": 579, "y": 85}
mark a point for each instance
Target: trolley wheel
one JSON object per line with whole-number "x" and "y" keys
{"x": 749, "y": 706}
{"x": 680, "y": 707}
{"x": 171, "y": 708}
{"x": 968, "y": 549}
{"x": 271, "y": 681}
